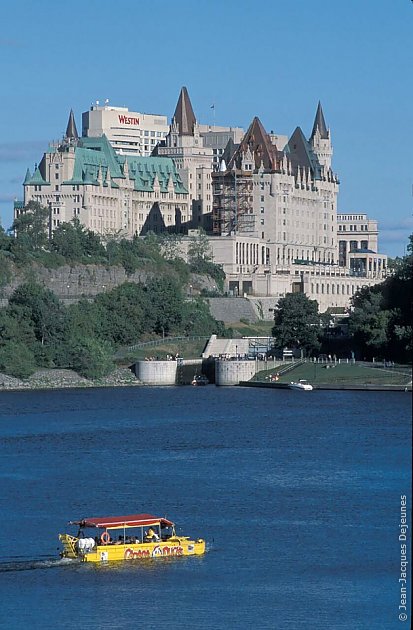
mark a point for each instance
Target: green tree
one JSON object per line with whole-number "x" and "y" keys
{"x": 197, "y": 319}
{"x": 297, "y": 323}
{"x": 199, "y": 248}
{"x": 42, "y": 308}
{"x": 16, "y": 359}
{"x": 85, "y": 317}
{"x": 67, "y": 240}
{"x": 165, "y": 305}
{"x": 5, "y": 269}
{"x": 171, "y": 246}
{"x": 5, "y": 240}
{"x": 90, "y": 357}
{"x": 31, "y": 227}
{"x": 369, "y": 321}
{"x": 380, "y": 321}
{"x": 16, "y": 326}
{"x": 123, "y": 313}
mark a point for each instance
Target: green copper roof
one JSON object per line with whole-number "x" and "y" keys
{"x": 144, "y": 170}
{"x": 27, "y": 178}
{"x": 93, "y": 157}
{"x": 35, "y": 179}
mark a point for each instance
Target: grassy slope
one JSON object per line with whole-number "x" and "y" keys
{"x": 345, "y": 374}
{"x": 191, "y": 349}
{"x": 257, "y": 329}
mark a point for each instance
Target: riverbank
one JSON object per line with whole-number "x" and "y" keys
{"x": 369, "y": 387}
{"x": 62, "y": 379}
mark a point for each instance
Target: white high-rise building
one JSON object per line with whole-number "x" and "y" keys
{"x": 130, "y": 133}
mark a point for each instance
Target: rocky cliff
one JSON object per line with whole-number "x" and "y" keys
{"x": 70, "y": 284}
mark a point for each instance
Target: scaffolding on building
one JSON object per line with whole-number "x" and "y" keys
{"x": 232, "y": 210}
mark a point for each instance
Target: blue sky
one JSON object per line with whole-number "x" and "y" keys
{"x": 274, "y": 59}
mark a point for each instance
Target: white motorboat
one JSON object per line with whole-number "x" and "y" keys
{"x": 302, "y": 385}
{"x": 200, "y": 379}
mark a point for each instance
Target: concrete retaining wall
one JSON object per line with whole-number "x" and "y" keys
{"x": 156, "y": 372}
{"x": 232, "y": 372}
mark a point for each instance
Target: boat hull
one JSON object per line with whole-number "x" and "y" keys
{"x": 199, "y": 382}
{"x": 173, "y": 547}
{"x": 299, "y": 387}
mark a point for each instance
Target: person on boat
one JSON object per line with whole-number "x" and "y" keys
{"x": 151, "y": 535}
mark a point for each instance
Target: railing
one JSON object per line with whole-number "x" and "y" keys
{"x": 158, "y": 342}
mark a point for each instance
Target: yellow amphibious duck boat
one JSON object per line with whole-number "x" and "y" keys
{"x": 130, "y": 537}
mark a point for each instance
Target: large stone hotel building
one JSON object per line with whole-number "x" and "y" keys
{"x": 267, "y": 202}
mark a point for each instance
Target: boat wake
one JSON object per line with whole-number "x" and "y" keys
{"x": 30, "y": 565}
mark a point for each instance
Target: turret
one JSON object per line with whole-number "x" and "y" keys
{"x": 320, "y": 139}
{"x": 184, "y": 116}
{"x": 71, "y": 132}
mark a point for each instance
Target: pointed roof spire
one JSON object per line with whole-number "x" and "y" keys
{"x": 28, "y": 177}
{"x": 299, "y": 150}
{"x": 257, "y": 141}
{"x": 184, "y": 114}
{"x": 320, "y": 123}
{"x": 71, "y": 131}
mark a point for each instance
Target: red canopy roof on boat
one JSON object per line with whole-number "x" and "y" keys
{"x": 132, "y": 520}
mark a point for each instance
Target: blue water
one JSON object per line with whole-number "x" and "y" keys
{"x": 297, "y": 494}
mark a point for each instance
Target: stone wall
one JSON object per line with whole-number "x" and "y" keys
{"x": 70, "y": 284}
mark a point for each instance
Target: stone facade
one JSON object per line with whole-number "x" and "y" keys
{"x": 194, "y": 161}
{"x": 111, "y": 194}
{"x": 358, "y": 245}
{"x": 270, "y": 208}
{"x": 276, "y": 225}
{"x": 217, "y": 138}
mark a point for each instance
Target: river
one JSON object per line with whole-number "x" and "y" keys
{"x": 297, "y": 494}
